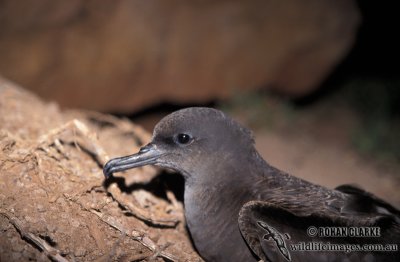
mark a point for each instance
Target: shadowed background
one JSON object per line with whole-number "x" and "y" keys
{"x": 122, "y": 56}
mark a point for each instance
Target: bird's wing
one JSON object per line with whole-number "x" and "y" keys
{"x": 274, "y": 229}
{"x": 361, "y": 201}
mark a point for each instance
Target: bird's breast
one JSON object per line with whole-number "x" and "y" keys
{"x": 212, "y": 219}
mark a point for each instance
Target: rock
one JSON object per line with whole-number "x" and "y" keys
{"x": 126, "y": 55}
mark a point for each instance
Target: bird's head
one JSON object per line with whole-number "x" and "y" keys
{"x": 190, "y": 141}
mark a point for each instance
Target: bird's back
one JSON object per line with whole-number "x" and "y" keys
{"x": 292, "y": 206}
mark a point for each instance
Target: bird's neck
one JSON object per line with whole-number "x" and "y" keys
{"x": 222, "y": 189}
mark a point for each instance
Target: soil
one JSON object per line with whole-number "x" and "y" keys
{"x": 54, "y": 201}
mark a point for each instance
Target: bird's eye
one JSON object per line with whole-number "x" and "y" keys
{"x": 183, "y": 139}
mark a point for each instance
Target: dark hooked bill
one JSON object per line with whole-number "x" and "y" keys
{"x": 147, "y": 155}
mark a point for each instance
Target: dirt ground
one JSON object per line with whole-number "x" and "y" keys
{"x": 54, "y": 202}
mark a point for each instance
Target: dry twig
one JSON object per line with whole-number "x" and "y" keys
{"x": 136, "y": 235}
{"x": 83, "y": 138}
{"x": 140, "y": 214}
{"x": 50, "y": 251}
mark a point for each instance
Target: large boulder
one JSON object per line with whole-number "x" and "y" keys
{"x": 124, "y": 55}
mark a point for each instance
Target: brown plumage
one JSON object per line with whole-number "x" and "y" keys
{"x": 239, "y": 208}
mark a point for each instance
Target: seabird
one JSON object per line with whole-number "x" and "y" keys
{"x": 240, "y": 208}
